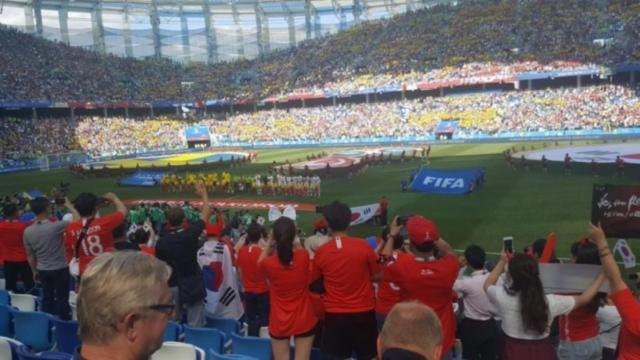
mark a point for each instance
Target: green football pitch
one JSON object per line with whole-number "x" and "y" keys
{"x": 512, "y": 202}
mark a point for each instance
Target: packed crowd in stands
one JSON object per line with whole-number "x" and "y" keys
{"x": 32, "y": 137}
{"x": 605, "y": 107}
{"x": 318, "y": 289}
{"x": 112, "y": 136}
{"x": 482, "y": 40}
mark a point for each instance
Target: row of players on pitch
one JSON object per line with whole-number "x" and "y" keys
{"x": 302, "y": 186}
{"x": 568, "y": 160}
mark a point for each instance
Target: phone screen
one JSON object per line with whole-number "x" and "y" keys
{"x": 507, "y": 242}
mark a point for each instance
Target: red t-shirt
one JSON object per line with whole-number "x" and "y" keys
{"x": 11, "y": 232}
{"x": 580, "y": 324}
{"x": 253, "y": 278}
{"x": 346, "y": 265}
{"x": 148, "y": 250}
{"x": 291, "y": 311}
{"x": 388, "y": 294}
{"x": 430, "y": 282}
{"x": 99, "y": 238}
{"x": 384, "y": 204}
{"x": 629, "y": 309}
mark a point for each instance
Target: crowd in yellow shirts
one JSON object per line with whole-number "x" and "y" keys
{"x": 280, "y": 185}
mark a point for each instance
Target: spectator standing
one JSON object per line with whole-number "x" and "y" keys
{"x": 424, "y": 277}
{"x": 16, "y": 265}
{"x": 97, "y": 232}
{"x": 619, "y": 166}
{"x": 526, "y": 312}
{"x": 384, "y": 205}
{"x": 216, "y": 260}
{"x": 478, "y": 330}
{"x": 579, "y": 330}
{"x": 256, "y": 289}
{"x": 627, "y": 305}
{"x": 123, "y": 307}
{"x": 292, "y": 313}
{"x": 388, "y": 293}
{"x": 347, "y": 266}
{"x": 178, "y": 247}
{"x": 609, "y": 320}
{"x": 44, "y": 242}
{"x": 412, "y": 331}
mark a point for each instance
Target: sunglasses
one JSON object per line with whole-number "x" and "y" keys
{"x": 163, "y": 308}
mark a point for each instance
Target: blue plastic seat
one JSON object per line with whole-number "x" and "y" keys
{"x": 172, "y": 332}
{"x": 251, "y": 346}
{"x": 65, "y": 334}
{"x": 33, "y": 329}
{"x": 227, "y": 326}
{"x": 4, "y": 297}
{"x": 206, "y": 339}
{"x": 25, "y": 354}
{"x": 217, "y": 356}
{"x": 6, "y": 328}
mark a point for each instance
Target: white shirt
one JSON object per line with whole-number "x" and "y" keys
{"x": 610, "y": 320}
{"x": 477, "y": 305}
{"x": 509, "y": 310}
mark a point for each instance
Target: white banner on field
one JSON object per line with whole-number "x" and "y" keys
{"x": 569, "y": 278}
{"x": 362, "y": 214}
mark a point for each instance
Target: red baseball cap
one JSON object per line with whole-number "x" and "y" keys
{"x": 422, "y": 231}
{"x": 213, "y": 230}
{"x": 320, "y": 223}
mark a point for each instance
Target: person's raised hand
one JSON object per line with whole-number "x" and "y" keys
{"x": 394, "y": 228}
{"x": 597, "y": 236}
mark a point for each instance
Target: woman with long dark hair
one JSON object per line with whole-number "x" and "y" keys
{"x": 579, "y": 330}
{"x": 288, "y": 273}
{"x": 526, "y": 311}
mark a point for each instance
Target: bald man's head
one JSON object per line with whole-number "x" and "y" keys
{"x": 412, "y": 326}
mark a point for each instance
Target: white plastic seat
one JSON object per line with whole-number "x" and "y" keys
{"x": 73, "y": 305}
{"x": 264, "y": 332}
{"x": 172, "y": 350}
{"x": 24, "y": 302}
{"x": 5, "y": 347}
{"x": 3, "y": 284}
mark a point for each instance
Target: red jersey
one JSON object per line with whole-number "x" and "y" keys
{"x": 384, "y": 204}
{"x": 291, "y": 311}
{"x": 346, "y": 265}
{"x": 430, "y": 282}
{"x": 629, "y": 308}
{"x": 580, "y": 324}
{"x": 388, "y": 294}
{"x": 11, "y": 232}
{"x": 99, "y": 237}
{"x": 148, "y": 250}
{"x": 253, "y": 278}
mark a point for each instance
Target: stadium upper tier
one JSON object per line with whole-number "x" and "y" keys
{"x": 607, "y": 109}
{"x": 473, "y": 39}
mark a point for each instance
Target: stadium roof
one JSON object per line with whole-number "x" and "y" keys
{"x": 195, "y": 30}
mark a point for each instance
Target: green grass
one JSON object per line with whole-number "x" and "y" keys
{"x": 525, "y": 205}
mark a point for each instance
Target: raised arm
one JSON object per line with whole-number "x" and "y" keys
{"x": 590, "y": 292}
{"x": 394, "y": 230}
{"x": 201, "y": 190}
{"x": 611, "y": 269}
{"x": 120, "y": 207}
{"x": 444, "y": 248}
{"x": 74, "y": 213}
{"x": 495, "y": 273}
